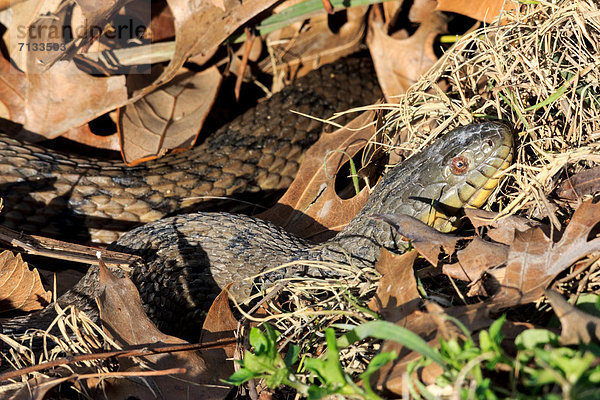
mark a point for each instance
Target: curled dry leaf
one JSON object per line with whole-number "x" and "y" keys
{"x": 168, "y": 118}
{"x": 577, "y": 326}
{"x": 501, "y": 229}
{"x": 428, "y": 241}
{"x": 124, "y": 319}
{"x": 20, "y": 287}
{"x": 581, "y": 184}
{"x": 482, "y": 10}
{"x": 302, "y": 50}
{"x": 412, "y": 56}
{"x": 200, "y": 27}
{"x": 534, "y": 260}
{"x": 397, "y": 295}
{"x": 310, "y": 207}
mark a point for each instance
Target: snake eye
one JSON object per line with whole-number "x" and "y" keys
{"x": 459, "y": 165}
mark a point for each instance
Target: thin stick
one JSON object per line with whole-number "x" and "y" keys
{"x": 144, "y": 351}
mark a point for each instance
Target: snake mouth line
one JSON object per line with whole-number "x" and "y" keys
{"x": 488, "y": 185}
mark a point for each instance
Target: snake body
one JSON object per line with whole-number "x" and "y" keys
{"x": 84, "y": 199}
{"x": 189, "y": 258}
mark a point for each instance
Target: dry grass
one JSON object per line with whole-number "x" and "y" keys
{"x": 301, "y": 308}
{"x": 538, "y": 70}
{"x": 70, "y": 334}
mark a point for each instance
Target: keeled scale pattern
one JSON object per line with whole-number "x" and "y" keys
{"x": 48, "y": 193}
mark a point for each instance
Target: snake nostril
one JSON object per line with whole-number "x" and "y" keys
{"x": 487, "y": 146}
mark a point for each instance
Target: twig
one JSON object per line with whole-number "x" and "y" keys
{"x": 143, "y": 351}
{"x": 42, "y": 246}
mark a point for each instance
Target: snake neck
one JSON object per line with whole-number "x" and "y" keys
{"x": 460, "y": 170}
{"x": 361, "y": 241}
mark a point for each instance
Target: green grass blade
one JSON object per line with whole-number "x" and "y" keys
{"x": 299, "y": 12}
{"x": 388, "y": 331}
{"x": 554, "y": 96}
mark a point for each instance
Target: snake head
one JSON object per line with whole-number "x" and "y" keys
{"x": 472, "y": 163}
{"x": 460, "y": 169}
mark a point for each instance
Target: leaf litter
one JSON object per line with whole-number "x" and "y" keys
{"x": 169, "y": 117}
{"x": 311, "y": 207}
{"x": 549, "y": 147}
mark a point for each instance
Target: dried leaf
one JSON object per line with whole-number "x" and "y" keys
{"x": 54, "y": 100}
{"x": 420, "y": 11}
{"x": 397, "y": 295}
{"x": 161, "y": 25}
{"x": 483, "y": 10}
{"x": 124, "y": 319}
{"x": 501, "y": 230}
{"x": 577, "y": 325}
{"x": 23, "y": 14}
{"x": 535, "y": 260}
{"x": 476, "y": 259}
{"x": 302, "y": 50}
{"x": 413, "y": 55}
{"x": 220, "y": 324}
{"x": 56, "y": 103}
{"x": 581, "y": 184}
{"x": 428, "y": 241}
{"x": 12, "y": 93}
{"x": 87, "y": 22}
{"x": 219, "y": 3}
{"x": 20, "y": 287}
{"x": 85, "y": 136}
{"x": 97, "y": 13}
{"x": 47, "y": 32}
{"x": 168, "y": 118}
{"x": 200, "y": 28}
{"x": 311, "y": 207}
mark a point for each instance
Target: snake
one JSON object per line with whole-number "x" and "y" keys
{"x": 257, "y": 154}
{"x": 187, "y": 259}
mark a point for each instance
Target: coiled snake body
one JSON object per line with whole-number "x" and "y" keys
{"x": 188, "y": 258}
{"x": 84, "y": 199}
